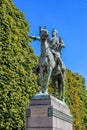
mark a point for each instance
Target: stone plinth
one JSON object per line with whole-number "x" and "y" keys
{"x": 47, "y": 113}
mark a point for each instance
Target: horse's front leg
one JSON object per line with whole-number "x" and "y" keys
{"x": 41, "y": 79}
{"x": 49, "y": 72}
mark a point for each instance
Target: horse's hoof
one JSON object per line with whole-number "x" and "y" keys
{"x": 63, "y": 100}
{"x": 40, "y": 92}
{"x": 46, "y": 92}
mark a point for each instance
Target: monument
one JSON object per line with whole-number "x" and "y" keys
{"x": 46, "y": 112}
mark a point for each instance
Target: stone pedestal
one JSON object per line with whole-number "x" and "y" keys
{"x": 47, "y": 113}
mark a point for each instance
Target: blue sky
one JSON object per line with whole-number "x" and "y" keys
{"x": 69, "y": 17}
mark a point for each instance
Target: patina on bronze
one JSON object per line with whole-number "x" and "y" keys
{"x": 51, "y": 61}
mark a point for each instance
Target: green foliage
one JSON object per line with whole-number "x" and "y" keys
{"x": 17, "y": 81}
{"x": 75, "y": 91}
{"x": 85, "y": 110}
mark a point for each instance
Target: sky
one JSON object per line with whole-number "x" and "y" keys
{"x": 69, "y": 18}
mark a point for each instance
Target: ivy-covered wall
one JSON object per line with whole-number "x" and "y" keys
{"x": 18, "y": 82}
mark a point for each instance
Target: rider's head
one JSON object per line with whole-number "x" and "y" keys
{"x": 54, "y": 32}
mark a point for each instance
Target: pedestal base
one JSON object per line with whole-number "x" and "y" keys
{"x": 47, "y": 113}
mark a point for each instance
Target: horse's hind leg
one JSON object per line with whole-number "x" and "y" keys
{"x": 54, "y": 86}
{"x": 62, "y": 82}
{"x": 59, "y": 88}
{"x": 63, "y": 91}
{"x": 63, "y": 88}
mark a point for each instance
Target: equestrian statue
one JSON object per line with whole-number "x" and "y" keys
{"x": 51, "y": 61}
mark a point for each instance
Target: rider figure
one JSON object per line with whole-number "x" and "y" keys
{"x": 56, "y": 44}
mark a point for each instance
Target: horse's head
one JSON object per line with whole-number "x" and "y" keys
{"x": 44, "y": 34}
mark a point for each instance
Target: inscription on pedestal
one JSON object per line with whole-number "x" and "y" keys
{"x": 38, "y": 112}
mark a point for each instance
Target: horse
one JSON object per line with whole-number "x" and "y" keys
{"x": 48, "y": 64}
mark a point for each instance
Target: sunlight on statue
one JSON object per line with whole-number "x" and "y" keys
{"x": 51, "y": 61}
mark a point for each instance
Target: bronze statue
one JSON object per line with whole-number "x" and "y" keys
{"x": 50, "y": 61}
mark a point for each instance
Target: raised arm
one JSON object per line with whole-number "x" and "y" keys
{"x": 35, "y": 37}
